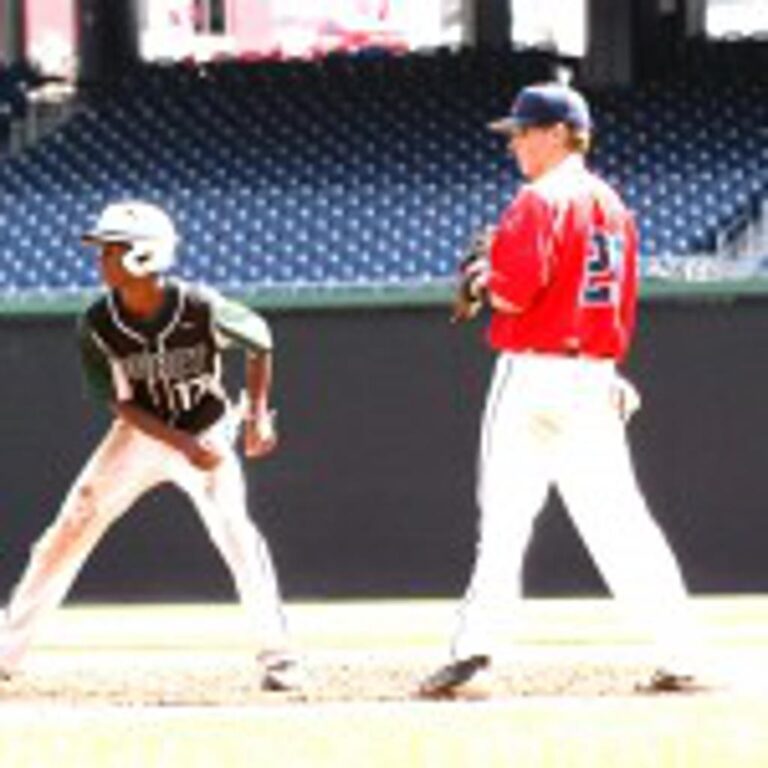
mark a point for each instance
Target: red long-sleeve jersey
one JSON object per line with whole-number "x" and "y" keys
{"x": 565, "y": 256}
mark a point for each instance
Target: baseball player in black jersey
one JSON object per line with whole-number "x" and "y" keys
{"x": 152, "y": 349}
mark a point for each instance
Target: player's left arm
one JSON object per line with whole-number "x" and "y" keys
{"x": 259, "y": 427}
{"x": 631, "y": 270}
{"x": 239, "y": 325}
{"x": 625, "y": 396}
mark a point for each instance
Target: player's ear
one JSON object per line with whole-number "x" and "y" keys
{"x": 562, "y": 134}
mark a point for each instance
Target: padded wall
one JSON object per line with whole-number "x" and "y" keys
{"x": 371, "y": 493}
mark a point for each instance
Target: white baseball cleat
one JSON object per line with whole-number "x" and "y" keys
{"x": 12, "y": 650}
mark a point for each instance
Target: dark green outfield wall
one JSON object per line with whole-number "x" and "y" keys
{"x": 371, "y": 492}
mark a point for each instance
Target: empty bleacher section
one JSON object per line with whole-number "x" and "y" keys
{"x": 690, "y": 157}
{"x": 727, "y": 81}
{"x": 367, "y": 171}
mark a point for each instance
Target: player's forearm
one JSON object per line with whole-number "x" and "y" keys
{"x": 258, "y": 381}
{"x": 151, "y": 425}
{"x": 500, "y": 304}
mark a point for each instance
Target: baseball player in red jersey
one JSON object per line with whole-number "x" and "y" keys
{"x": 561, "y": 280}
{"x": 151, "y": 349}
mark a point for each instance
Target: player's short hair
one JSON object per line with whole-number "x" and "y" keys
{"x": 578, "y": 140}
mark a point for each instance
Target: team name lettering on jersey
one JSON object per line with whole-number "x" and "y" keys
{"x": 167, "y": 364}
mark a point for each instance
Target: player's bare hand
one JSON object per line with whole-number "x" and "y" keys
{"x": 202, "y": 455}
{"x": 259, "y": 434}
{"x": 625, "y": 398}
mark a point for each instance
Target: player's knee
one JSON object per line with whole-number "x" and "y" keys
{"x": 81, "y": 514}
{"x": 78, "y": 516}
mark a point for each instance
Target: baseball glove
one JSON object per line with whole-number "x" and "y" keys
{"x": 472, "y": 273}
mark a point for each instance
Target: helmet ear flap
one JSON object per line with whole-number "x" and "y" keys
{"x": 146, "y": 228}
{"x": 138, "y": 261}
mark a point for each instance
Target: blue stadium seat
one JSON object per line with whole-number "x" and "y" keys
{"x": 351, "y": 170}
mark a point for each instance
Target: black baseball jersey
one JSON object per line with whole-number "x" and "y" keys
{"x": 170, "y": 364}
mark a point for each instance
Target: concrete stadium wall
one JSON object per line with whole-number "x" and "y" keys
{"x": 371, "y": 492}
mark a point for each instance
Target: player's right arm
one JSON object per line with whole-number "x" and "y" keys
{"x": 95, "y": 365}
{"x": 101, "y": 383}
{"x": 521, "y": 253}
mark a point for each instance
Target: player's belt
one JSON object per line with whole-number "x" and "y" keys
{"x": 570, "y": 353}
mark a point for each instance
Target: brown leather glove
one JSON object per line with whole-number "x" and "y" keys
{"x": 473, "y": 273}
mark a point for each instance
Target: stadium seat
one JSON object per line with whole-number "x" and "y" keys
{"x": 357, "y": 170}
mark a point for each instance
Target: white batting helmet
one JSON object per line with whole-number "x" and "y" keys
{"x": 147, "y": 228}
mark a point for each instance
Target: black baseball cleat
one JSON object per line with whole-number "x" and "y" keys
{"x": 665, "y": 681}
{"x": 448, "y": 680}
{"x": 282, "y": 674}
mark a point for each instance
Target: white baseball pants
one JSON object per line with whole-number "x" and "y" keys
{"x": 126, "y": 464}
{"x": 552, "y": 421}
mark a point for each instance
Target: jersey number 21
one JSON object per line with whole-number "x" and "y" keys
{"x": 602, "y": 270}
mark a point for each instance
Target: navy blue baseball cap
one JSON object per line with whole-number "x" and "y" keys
{"x": 545, "y": 104}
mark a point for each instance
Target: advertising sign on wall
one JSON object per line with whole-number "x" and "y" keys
{"x": 50, "y": 36}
